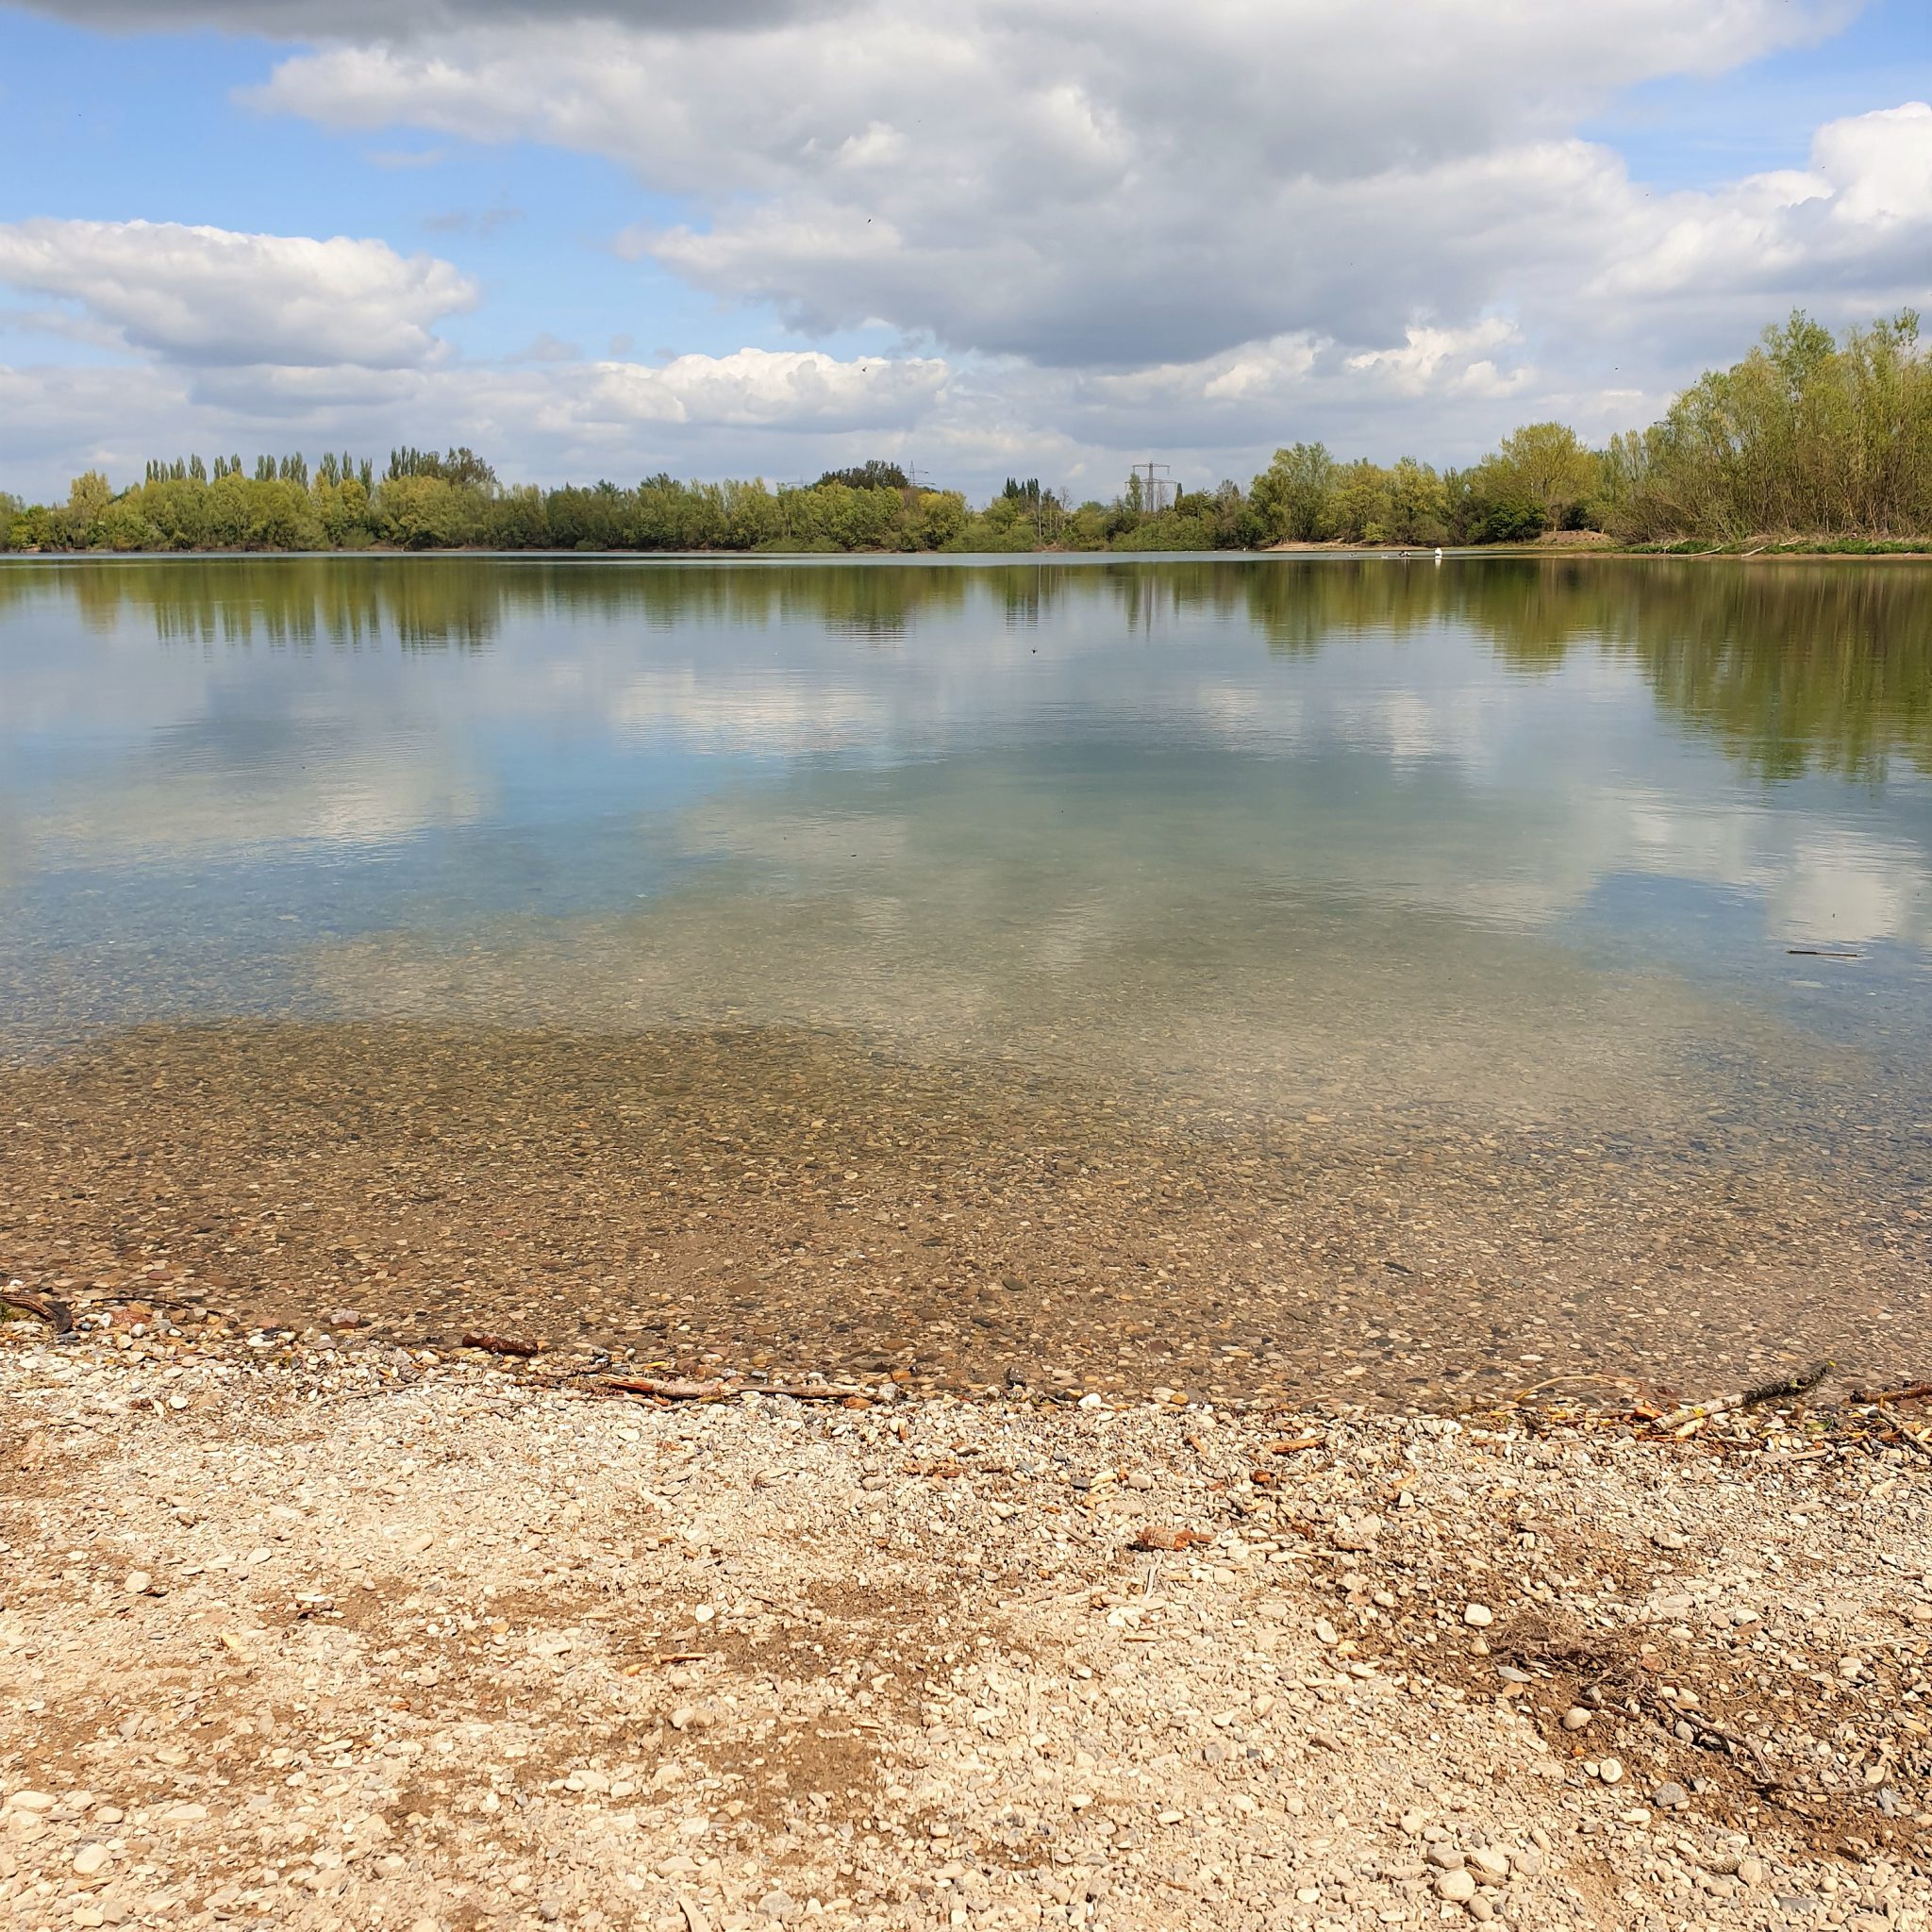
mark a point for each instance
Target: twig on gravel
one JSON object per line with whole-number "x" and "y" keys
{"x": 1683, "y": 1420}
{"x": 1912, "y": 1391}
{"x": 669, "y": 1389}
{"x": 45, "y": 1307}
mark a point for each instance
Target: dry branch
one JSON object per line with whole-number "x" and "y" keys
{"x": 1681, "y": 1421}
{"x": 44, "y": 1308}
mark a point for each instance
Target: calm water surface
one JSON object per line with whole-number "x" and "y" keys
{"x": 1246, "y": 846}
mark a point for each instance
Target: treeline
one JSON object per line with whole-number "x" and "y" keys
{"x": 1808, "y": 437}
{"x": 424, "y": 501}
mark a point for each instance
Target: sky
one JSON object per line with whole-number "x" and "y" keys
{"x": 735, "y": 238}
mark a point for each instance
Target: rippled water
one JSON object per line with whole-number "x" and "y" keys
{"x": 1242, "y": 848}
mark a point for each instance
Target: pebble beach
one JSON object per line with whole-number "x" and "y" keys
{"x": 312, "y": 1629}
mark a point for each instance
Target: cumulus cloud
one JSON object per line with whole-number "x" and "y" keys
{"x": 1002, "y": 180}
{"x": 215, "y": 297}
{"x": 1272, "y": 225}
{"x": 1426, "y": 354}
{"x": 1858, "y": 220}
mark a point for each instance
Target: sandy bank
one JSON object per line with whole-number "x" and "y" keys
{"x": 293, "y": 1637}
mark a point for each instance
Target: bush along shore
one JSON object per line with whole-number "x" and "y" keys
{"x": 305, "y": 1627}
{"x": 1822, "y": 441}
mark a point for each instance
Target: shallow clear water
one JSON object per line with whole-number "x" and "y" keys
{"x": 1365, "y": 844}
{"x": 1097, "y": 808}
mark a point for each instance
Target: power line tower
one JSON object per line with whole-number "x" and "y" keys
{"x": 1153, "y": 492}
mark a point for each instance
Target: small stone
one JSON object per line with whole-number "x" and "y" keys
{"x": 1751, "y": 1871}
{"x": 1670, "y": 1797}
{"x": 1481, "y": 1910}
{"x": 1412, "y": 1821}
{"x": 1444, "y": 1857}
{"x": 138, "y": 1583}
{"x": 1575, "y": 1717}
{"x": 681, "y": 1717}
{"x": 30, "y": 1801}
{"x": 1478, "y": 1616}
{"x": 778, "y": 1904}
{"x": 1528, "y": 1862}
{"x": 1458, "y": 1887}
{"x": 1609, "y": 1771}
{"x": 1488, "y": 1863}
{"x": 91, "y": 1859}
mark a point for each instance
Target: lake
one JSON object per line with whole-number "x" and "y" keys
{"x": 1357, "y": 979}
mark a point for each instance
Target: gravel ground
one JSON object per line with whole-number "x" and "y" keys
{"x": 352, "y": 1636}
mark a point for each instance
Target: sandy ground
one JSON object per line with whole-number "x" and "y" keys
{"x": 341, "y": 1636}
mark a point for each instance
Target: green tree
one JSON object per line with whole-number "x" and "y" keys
{"x": 1293, "y": 496}
{"x": 1543, "y": 465}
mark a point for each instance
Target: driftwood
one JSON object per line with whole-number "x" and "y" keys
{"x": 43, "y": 1308}
{"x": 1680, "y": 1421}
{"x": 1912, "y": 1391}
{"x": 669, "y": 1388}
{"x": 682, "y": 1388}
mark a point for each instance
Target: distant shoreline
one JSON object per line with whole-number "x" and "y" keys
{"x": 1826, "y": 550}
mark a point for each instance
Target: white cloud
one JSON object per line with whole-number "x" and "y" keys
{"x": 1428, "y": 354}
{"x": 209, "y": 295}
{"x": 769, "y": 389}
{"x": 1005, "y": 180}
{"x": 1879, "y": 165}
{"x": 1856, "y": 224}
{"x": 724, "y": 415}
{"x": 1081, "y": 245}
